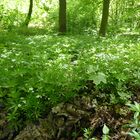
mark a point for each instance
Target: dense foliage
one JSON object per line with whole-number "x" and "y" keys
{"x": 39, "y": 68}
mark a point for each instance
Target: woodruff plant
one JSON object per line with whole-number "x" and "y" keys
{"x": 88, "y": 132}
{"x": 135, "y": 123}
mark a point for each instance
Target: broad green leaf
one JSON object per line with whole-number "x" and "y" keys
{"x": 105, "y": 130}
{"x": 100, "y": 77}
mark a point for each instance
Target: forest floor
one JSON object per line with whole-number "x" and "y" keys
{"x": 72, "y": 87}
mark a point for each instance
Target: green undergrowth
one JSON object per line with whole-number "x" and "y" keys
{"x": 39, "y": 71}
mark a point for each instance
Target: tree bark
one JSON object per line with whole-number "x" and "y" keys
{"x": 62, "y": 16}
{"x": 28, "y": 18}
{"x": 105, "y": 15}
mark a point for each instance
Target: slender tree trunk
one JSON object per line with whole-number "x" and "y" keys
{"x": 62, "y": 16}
{"x": 28, "y": 18}
{"x": 104, "y": 20}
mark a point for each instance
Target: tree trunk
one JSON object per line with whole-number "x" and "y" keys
{"x": 105, "y": 15}
{"x": 26, "y": 23}
{"x": 62, "y": 16}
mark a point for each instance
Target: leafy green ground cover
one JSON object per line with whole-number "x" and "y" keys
{"x": 40, "y": 71}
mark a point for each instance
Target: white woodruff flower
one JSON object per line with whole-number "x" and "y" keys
{"x": 31, "y": 89}
{"x": 38, "y": 96}
{"x": 13, "y": 60}
{"x": 19, "y": 105}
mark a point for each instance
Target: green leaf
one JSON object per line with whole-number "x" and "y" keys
{"x": 100, "y": 77}
{"x": 135, "y": 134}
{"x": 134, "y": 107}
{"x": 105, "y": 137}
{"x": 136, "y": 115}
{"x": 137, "y": 105}
{"x": 105, "y": 130}
{"x": 91, "y": 69}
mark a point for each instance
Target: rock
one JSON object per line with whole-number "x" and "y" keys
{"x": 60, "y": 121}
{"x": 32, "y": 132}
